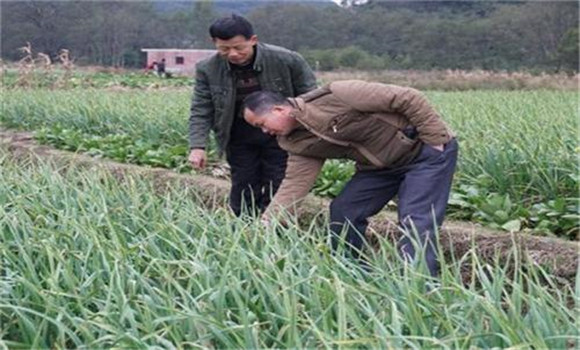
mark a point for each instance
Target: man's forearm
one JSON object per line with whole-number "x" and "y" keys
{"x": 301, "y": 173}
{"x": 198, "y": 132}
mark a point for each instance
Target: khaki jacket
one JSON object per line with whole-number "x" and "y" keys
{"x": 354, "y": 120}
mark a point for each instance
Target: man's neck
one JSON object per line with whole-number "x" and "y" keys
{"x": 248, "y": 63}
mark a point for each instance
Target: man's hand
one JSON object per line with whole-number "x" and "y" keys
{"x": 265, "y": 221}
{"x": 268, "y": 221}
{"x": 198, "y": 158}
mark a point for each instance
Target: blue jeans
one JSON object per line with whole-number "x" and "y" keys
{"x": 423, "y": 188}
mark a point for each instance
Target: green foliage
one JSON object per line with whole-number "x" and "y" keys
{"x": 333, "y": 177}
{"x": 496, "y": 210}
{"x": 324, "y": 60}
{"x": 95, "y": 79}
{"x": 568, "y": 50}
{"x": 350, "y": 57}
{"x": 91, "y": 261}
{"x": 558, "y": 215}
{"x": 119, "y": 147}
{"x": 517, "y": 167}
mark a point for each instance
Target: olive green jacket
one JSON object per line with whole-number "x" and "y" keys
{"x": 214, "y": 95}
{"x": 355, "y": 120}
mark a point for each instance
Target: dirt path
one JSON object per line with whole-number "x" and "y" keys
{"x": 558, "y": 256}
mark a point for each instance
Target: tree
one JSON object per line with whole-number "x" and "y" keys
{"x": 406, "y": 34}
{"x": 37, "y": 22}
{"x": 568, "y": 51}
{"x": 530, "y": 34}
{"x": 202, "y": 17}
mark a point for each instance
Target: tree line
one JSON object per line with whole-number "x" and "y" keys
{"x": 463, "y": 34}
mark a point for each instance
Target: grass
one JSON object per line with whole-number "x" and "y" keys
{"x": 90, "y": 261}
{"x": 56, "y": 78}
{"x": 518, "y": 150}
{"x": 520, "y": 143}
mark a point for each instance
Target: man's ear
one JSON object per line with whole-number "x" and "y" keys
{"x": 278, "y": 108}
{"x": 245, "y": 113}
{"x": 254, "y": 39}
{"x": 282, "y": 110}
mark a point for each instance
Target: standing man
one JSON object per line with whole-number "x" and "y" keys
{"x": 161, "y": 68}
{"x": 241, "y": 66}
{"x": 400, "y": 144}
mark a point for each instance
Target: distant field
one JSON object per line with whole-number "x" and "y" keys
{"x": 441, "y": 80}
{"x": 518, "y": 150}
{"x": 459, "y": 80}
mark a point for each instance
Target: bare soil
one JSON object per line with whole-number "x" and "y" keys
{"x": 558, "y": 257}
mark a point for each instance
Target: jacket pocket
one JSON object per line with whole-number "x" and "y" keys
{"x": 404, "y": 139}
{"x": 394, "y": 148}
{"x": 349, "y": 126}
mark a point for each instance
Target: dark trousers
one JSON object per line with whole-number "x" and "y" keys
{"x": 257, "y": 169}
{"x": 423, "y": 189}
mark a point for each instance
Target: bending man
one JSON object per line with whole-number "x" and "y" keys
{"x": 399, "y": 142}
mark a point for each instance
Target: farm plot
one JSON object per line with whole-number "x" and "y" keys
{"x": 89, "y": 260}
{"x": 518, "y": 150}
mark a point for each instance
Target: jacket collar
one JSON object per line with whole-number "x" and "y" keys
{"x": 299, "y": 108}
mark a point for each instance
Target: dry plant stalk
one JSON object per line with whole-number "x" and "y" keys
{"x": 28, "y": 65}
{"x": 45, "y": 62}
{"x": 67, "y": 65}
{"x": 25, "y": 66}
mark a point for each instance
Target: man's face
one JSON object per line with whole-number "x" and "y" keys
{"x": 237, "y": 50}
{"x": 275, "y": 122}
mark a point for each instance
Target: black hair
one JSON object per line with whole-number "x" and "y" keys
{"x": 260, "y": 102}
{"x": 228, "y": 27}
